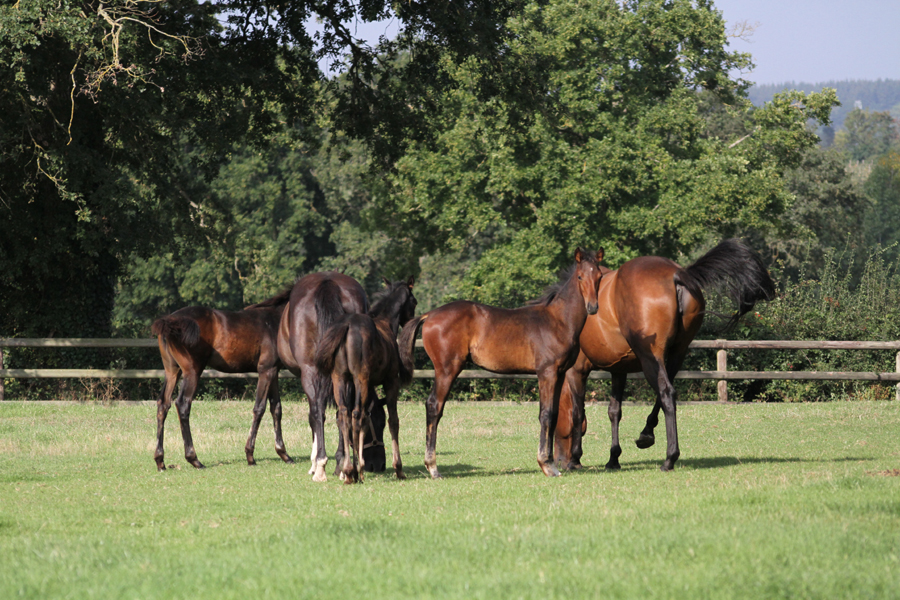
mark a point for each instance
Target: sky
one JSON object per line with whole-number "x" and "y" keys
{"x": 814, "y": 41}
{"x": 810, "y": 41}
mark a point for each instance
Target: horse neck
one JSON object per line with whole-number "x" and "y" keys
{"x": 387, "y": 316}
{"x": 568, "y": 305}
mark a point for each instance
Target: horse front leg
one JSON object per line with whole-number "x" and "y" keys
{"x": 259, "y": 409}
{"x": 550, "y": 384}
{"x": 615, "y": 416}
{"x": 275, "y": 407}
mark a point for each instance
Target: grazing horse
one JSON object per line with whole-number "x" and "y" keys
{"x": 541, "y": 338}
{"x": 196, "y": 337}
{"x": 649, "y": 312}
{"x": 362, "y": 350}
{"x": 316, "y": 302}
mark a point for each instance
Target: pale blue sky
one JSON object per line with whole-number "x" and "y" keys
{"x": 818, "y": 40}
{"x": 809, "y": 41}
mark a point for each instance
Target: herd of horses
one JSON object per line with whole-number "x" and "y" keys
{"x": 639, "y": 318}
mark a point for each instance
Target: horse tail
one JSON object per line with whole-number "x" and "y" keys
{"x": 328, "y": 305}
{"x": 737, "y": 268}
{"x": 329, "y": 344}
{"x": 181, "y": 329}
{"x": 407, "y": 343}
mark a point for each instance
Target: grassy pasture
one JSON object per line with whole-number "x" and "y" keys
{"x": 767, "y": 501}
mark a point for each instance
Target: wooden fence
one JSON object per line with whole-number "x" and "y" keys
{"x": 722, "y": 375}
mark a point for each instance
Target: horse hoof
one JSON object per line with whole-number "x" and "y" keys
{"x": 197, "y": 464}
{"x": 401, "y": 475}
{"x": 613, "y": 466}
{"x": 549, "y": 470}
{"x": 645, "y": 441}
{"x": 666, "y": 468}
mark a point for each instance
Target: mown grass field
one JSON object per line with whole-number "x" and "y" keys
{"x": 767, "y": 501}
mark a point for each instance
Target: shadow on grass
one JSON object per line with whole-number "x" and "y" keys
{"x": 717, "y": 462}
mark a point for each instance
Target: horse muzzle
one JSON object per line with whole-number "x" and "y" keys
{"x": 591, "y": 308}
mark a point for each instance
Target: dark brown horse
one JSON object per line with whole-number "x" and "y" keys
{"x": 649, "y": 312}
{"x": 316, "y": 302}
{"x": 194, "y": 338}
{"x": 362, "y": 350}
{"x": 540, "y": 338}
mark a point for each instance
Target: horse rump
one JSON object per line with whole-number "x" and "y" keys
{"x": 177, "y": 328}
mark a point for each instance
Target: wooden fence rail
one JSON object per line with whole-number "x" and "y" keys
{"x": 722, "y": 375}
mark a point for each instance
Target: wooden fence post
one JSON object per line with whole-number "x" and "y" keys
{"x": 896, "y": 395}
{"x": 722, "y": 365}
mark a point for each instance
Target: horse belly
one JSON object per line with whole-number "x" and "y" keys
{"x": 501, "y": 355}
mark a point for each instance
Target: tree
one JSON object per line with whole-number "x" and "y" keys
{"x": 867, "y": 134}
{"x": 586, "y": 129}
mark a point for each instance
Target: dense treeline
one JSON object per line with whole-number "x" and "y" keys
{"x": 156, "y": 156}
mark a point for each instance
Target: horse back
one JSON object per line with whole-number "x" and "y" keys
{"x": 497, "y": 339}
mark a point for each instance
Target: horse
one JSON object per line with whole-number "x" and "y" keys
{"x": 362, "y": 349}
{"x": 540, "y": 338}
{"x": 650, "y": 309}
{"x": 194, "y": 338}
{"x": 315, "y": 302}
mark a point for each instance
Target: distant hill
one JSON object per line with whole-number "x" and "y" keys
{"x": 879, "y": 95}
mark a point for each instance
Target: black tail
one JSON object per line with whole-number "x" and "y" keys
{"x": 183, "y": 330}
{"x": 329, "y": 344}
{"x": 407, "y": 343}
{"x": 737, "y": 268}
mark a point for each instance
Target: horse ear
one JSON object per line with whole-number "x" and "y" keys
{"x": 599, "y": 256}
{"x": 579, "y": 254}
{"x": 386, "y": 281}
{"x": 410, "y": 281}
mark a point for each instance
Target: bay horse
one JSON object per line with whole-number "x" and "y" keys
{"x": 541, "y": 338}
{"x": 315, "y": 302}
{"x": 649, "y": 311}
{"x": 194, "y": 338}
{"x": 362, "y": 349}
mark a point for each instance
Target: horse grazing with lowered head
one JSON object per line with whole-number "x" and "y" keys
{"x": 194, "y": 338}
{"x": 315, "y": 303}
{"x": 649, "y": 311}
{"x": 541, "y": 338}
{"x": 362, "y": 349}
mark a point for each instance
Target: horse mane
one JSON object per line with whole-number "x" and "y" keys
{"x": 282, "y": 298}
{"x": 551, "y": 291}
{"x": 383, "y": 300}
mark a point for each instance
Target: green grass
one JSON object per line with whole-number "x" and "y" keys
{"x": 767, "y": 501}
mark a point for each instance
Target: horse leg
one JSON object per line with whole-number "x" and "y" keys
{"x": 575, "y": 381}
{"x": 615, "y": 415}
{"x": 550, "y": 385}
{"x": 359, "y": 430}
{"x": 316, "y": 396}
{"x": 163, "y": 403}
{"x": 259, "y": 409}
{"x": 275, "y": 407}
{"x": 565, "y": 424}
{"x": 647, "y": 438}
{"x": 444, "y": 376}
{"x": 345, "y": 466}
{"x": 183, "y": 405}
{"x": 390, "y": 396}
{"x": 341, "y": 455}
{"x": 657, "y": 376}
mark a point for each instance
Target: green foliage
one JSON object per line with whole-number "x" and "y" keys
{"x": 878, "y": 95}
{"x": 587, "y": 131}
{"x": 867, "y": 134}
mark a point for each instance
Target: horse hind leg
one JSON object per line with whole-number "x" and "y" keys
{"x": 658, "y": 377}
{"x": 163, "y": 404}
{"x": 183, "y": 405}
